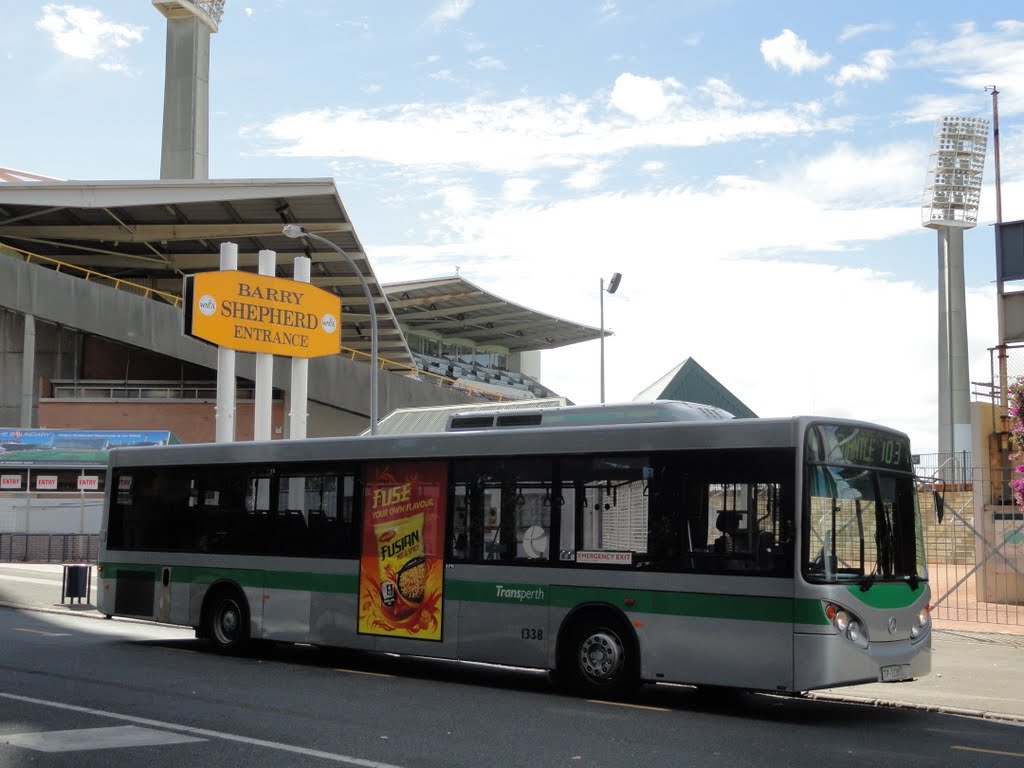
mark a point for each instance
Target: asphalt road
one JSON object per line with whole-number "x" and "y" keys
{"x": 97, "y": 691}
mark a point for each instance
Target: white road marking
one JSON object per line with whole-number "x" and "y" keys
{"x": 205, "y": 733}
{"x": 82, "y": 739}
{"x": 988, "y": 751}
{"x": 42, "y": 632}
{"x": 627, "y": 705}
{"x": 363, "y": 672}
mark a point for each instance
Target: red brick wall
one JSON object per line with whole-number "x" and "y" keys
{"x": 191, "y": 421}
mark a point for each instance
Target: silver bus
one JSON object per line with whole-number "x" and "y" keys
{"x": 612, "y": 545}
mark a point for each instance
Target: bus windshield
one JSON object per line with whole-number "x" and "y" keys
{"x": 863, "y": 522}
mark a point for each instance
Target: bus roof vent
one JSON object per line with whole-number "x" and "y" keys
{"x": 470, "y": 422}
{"x": 588, "y": 415}
{"x": 519, "y": 420}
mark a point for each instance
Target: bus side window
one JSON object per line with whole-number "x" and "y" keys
{"x": 501, "y": 510}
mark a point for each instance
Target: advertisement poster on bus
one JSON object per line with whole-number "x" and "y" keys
{"x": 401, "y": 577}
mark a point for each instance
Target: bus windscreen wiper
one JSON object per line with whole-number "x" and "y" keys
{"x": 868, "y": 581}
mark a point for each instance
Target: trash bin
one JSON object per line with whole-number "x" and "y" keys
{"x": 76, "y": 581}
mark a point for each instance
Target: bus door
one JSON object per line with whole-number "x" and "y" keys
{"x": 736, "y": 614}
{"x": 501, "y": 526}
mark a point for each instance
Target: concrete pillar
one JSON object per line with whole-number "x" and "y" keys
{"x": 185, "y": 149}
{"x": 954, "y": 376}
{"x": 28, "y": 372}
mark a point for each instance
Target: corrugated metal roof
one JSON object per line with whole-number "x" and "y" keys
{"x": 455, "y": 308}
{"x": 154, "y": 232}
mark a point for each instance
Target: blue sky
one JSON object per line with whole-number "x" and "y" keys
{"x": 754, "y": 170}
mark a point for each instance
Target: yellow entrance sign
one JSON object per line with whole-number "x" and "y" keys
{"x": 259, "y": 313}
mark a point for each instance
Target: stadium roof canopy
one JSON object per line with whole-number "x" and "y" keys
{"x": 154, "y": 232}
{"x": 455, "y": 309}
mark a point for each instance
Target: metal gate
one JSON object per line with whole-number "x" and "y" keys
{"x": 975, "y": 554}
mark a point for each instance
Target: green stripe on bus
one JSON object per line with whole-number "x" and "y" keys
{"x": 695, "y": 604}
{"x": 889, "y": 595}
{"x": 245, "y": 577}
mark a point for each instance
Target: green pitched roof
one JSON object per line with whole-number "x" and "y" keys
{"x": 689, "y": 382}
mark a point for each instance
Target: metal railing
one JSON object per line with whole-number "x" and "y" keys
{"x": 174, "y": 300}
{"x": 49, "y": 547}
{"x": 89, "y": 274}
{"x": 947, "y": 467}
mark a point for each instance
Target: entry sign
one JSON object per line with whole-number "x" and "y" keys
{"x": 88, "y": 483}
{"x": 46, "y": 482}
{"x": 258, "y": 313}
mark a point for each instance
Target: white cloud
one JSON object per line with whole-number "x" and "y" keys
{"x": 442, "y": 74}
{"x": 928, "y": 108}
{"x": 608, "y": 10}
{"x": 643, "y": 97}
{"x": 449, "y": 11}
{"x": 892, "y": 172}
{"x": 460, "y": 200}
{"x": 790, "y": 52}
{"x": 1010, "y": 25}
{"x": 518, "y": 189}
{"x": 488, "y": 62}
{"x": 972, "y": 60}
{"x": 874, "y": 66}
{"x": 249, "y": 11}
{"x": 587, "y": 177}
{"x": 744, "y": 315}
{"x": 84, "y": 33}
{"x": 519, "y": 135}
{"x": 653, "y": 166}
{"x": 856, "y": 30}
{"x": 722, "y": 94}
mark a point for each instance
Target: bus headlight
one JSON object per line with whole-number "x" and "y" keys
{"x": 847, "y": 625}
{"x": 921, "y": 623}
{"x": 856, "y": 635}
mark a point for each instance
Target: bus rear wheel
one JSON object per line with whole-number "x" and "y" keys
{"x": 602, "y": 659}
{"x": 227, "y": 620}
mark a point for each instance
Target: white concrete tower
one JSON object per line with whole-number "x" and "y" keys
{"x": 951, "y": 198}
{"x": 185, "y": 149}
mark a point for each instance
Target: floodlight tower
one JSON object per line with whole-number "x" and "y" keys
{"x": 185, "y": 149}
{"x": 952, "y": 195}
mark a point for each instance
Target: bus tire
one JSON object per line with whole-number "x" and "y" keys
{"x": 226, "y": 620}
{"x": 601, "y": 658}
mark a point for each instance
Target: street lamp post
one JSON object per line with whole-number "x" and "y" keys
{"x": 296, "y": 231}
{"x": 613, "y": 286}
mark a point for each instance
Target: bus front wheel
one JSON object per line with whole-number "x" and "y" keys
{"x": 227, "y": 621}
{"x": 602, "y": 659}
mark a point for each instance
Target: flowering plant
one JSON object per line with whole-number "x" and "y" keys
{"x": 1016, "y": 409}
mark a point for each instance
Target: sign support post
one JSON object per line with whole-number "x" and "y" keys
{"x": 264, "y": 367}
{"x": 268, "y": 315}
{"x": 225, "y": 423}
{"x": 297, "y": 395}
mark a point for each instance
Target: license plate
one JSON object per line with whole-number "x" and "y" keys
{"x": 895, "y": 673}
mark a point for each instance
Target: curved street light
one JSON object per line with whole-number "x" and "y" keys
{"x": 613, "y": 286}
{"x": 295, "y": 231}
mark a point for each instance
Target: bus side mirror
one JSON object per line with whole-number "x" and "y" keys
{"x": 940, "y": 506}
